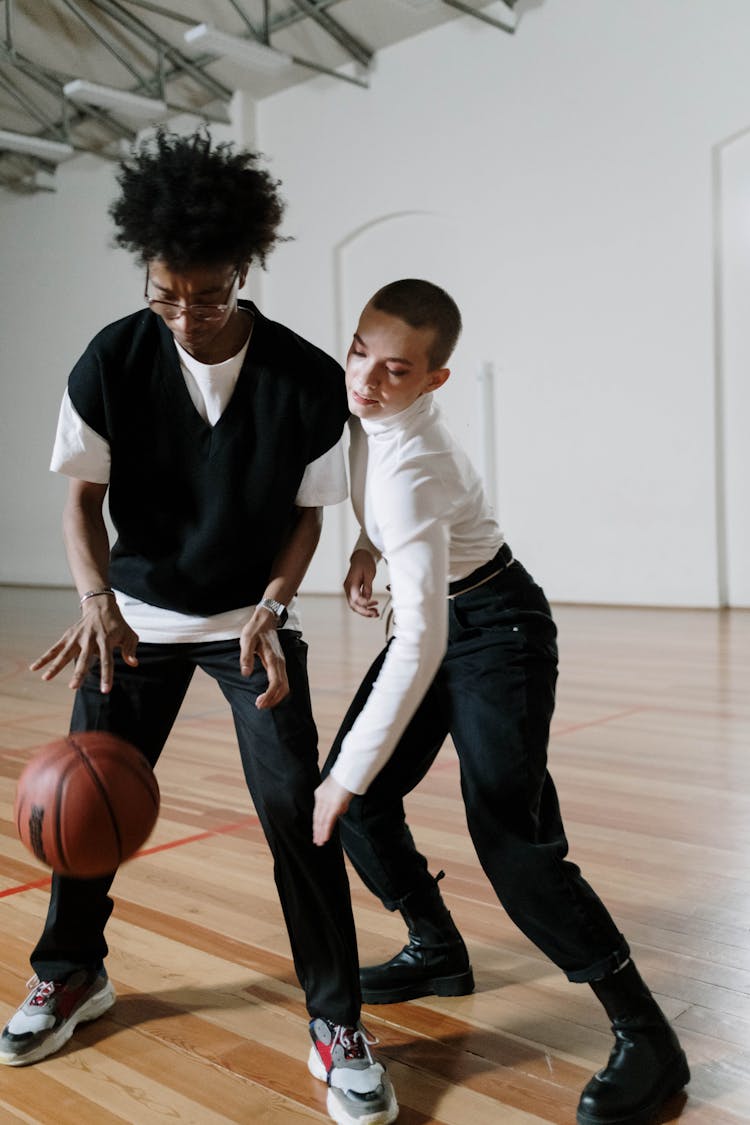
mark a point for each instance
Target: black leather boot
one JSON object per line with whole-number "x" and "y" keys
{"x": 434, "y": 963}
{"x": 647, "y": 1064}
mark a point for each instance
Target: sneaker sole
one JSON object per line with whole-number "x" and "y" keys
{"x": 337, "y": 1112}
{"x": 94, "y": 1007}
{"x": 462, "y": 984}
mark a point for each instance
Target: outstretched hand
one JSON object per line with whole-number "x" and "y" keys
{"x": 331, "y": 801}
{"x": 100, "y": 630}
{"x": 358, "y": 584}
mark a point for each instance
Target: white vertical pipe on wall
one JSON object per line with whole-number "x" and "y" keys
{"x": 486, "y": 409}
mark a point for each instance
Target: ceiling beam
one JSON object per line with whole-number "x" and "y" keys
{"x": 245, "y": 18}
{"x": 508, "y": 25}
{"x": 30, "y": 108}
{"x": 105, "y": 40}
{"x": 353, "y": 46}
{"x": 147, "y": 35}
{"x": 53, "y": 84}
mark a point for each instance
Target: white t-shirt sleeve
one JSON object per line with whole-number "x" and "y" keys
{"x": 79, "y": 451}
{"x": 415, "y": 543}
{"x": 324, "y": 481}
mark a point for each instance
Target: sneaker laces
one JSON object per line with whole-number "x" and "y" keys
{"x": 40, "y": 990}
{"x": 356, "y": 1042}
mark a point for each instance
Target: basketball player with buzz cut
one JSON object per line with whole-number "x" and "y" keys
{"x": 473, "y": 655}
{"x": 214, "y": 433}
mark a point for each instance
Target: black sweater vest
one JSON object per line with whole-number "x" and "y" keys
{"x": 202, "y": 511}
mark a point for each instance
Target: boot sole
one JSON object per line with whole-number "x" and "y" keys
{"x": 459, "y": 985}
{"x": 647, "y": 1114}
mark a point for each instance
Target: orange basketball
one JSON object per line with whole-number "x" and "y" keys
{"x": 86, "y": 803}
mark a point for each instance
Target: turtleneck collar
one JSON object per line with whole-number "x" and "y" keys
{"x": 400, "y": 421}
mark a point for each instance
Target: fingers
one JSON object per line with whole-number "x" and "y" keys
{"x": 46, "y": 658}
{"x": 278, "y": 683}
{"x": 271, "y": 655}
{"x": 83, "y": 643}
{"x": 324, "y": 817}
{"x": 322, "y": 827}
{"x": 60, "y": 655}
{"x": 106, "y": 668}
{"x": 359, "y": 596}
{"x": 128, "y": 649}
{"x": 365, "y": 607}
{"x": 248, "y": 646}
{"x": 331, "y": 801}
{"x": 83, "y": 662}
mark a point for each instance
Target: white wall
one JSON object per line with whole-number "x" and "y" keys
{"x": 559, "y": 182}
{"x": 574, "y": 158}
{"x": 60, "y": 283}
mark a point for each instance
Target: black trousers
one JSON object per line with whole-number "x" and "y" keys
{"x": 279, "y": 753}
{"x": 494, "y": 694}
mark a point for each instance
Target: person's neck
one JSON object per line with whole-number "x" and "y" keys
{"x": 230, "y": 341}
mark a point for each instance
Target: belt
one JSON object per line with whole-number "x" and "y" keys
{"x": 482, "y": 574}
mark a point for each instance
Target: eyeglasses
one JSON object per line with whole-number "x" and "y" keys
{"x": 170, "y": 310}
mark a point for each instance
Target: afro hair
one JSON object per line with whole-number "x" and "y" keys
{"x": 188, "y": 202}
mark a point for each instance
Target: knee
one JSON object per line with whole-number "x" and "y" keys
{"x": 289, "y": 805}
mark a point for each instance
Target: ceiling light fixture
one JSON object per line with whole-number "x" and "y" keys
{"x": 108, "y": 97}
{"x": 247, "y": 52}
{"x": 34, "y": 146}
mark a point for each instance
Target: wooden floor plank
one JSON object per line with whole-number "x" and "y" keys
{"x": 650, "y": 756}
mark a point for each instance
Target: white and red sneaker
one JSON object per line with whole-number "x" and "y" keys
{"x": 359, "y": 1090}
{"x": 50, "y": 1014}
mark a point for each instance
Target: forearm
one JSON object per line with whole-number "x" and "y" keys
{"x": 291, "y": 562}
{"x": 404, "y": 679}
{"x": 86, "y": 541}
{"x": 419, "y": 586}
{"x": 101, "y": 627}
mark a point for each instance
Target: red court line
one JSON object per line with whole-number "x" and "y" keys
{"x": 25, "y": 887}
{"x": 598, "y": 722}
{"x": 223, "y": 830}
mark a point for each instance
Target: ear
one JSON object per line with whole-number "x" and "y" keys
{"x": 437, "y": 378}
{"x": 244, "y": 270}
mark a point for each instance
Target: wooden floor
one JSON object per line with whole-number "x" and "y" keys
{"x": 650, "y": 753}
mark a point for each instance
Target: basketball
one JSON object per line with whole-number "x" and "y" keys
{"x": 86, "y": 803}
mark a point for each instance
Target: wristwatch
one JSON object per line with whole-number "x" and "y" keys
{"x": 277, "y": 609}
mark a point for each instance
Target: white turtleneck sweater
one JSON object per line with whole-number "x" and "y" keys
{"x": 421, "y": 506}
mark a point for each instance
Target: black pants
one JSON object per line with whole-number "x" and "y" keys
{"x": 494, "y": 694}
{"x": 279, "y": 755}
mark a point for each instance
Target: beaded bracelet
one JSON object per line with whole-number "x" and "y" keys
{"x": 97, "y": 593}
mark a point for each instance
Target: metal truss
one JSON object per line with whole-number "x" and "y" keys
{"x": 158, "y": 68}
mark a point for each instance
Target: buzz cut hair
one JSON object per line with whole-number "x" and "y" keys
{"x": 421, "y": 304}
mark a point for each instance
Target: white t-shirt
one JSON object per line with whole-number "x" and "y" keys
{"x": 82, "y": 453}
{"x": 421, "y": 505}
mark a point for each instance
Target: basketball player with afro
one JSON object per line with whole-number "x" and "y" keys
{"x": 215, "y": 434}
